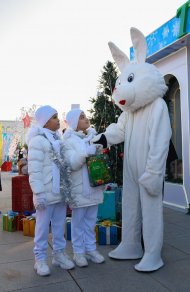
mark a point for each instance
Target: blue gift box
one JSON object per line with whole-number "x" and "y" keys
{"x": 107, "y": 210}
{"x": 118, "y": 204}
{"x": 68, "y": 229}
{"x": 108, "y": 235}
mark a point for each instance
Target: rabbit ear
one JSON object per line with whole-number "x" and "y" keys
{"x": 139, "y": 45}
{"x": 119, "y": 57}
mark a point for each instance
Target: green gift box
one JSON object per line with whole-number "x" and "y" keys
{"x": 99, "y": 169}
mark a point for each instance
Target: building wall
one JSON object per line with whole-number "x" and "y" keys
{"x": 177, "y": 64}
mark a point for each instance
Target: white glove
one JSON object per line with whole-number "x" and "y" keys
{"x": 91, "y": 149}
{"x": 153, "y": 183}
{"x": 40, "y": 201}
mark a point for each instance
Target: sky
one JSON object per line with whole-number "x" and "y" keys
{"x": 52, "y": 51}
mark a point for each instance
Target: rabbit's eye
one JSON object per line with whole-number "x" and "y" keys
{"x": 131, "y": 77}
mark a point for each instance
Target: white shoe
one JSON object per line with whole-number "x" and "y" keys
{"x": 63, "y": 261}
{"x": 126, "y": 251}
{"x": 150, "y": 262}
{"x": 41, "y": 268}
{"x": 95, "y": 256}
{"x": 80, "y": 260}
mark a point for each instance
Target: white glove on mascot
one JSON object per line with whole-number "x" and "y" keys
{"x": 144, "y": 126}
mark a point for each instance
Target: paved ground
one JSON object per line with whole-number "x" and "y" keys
{"x": 17, "y": 274}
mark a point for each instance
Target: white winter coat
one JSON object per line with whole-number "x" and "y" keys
{"x": 40, "y": 165}
{"x": 82, "y": 194}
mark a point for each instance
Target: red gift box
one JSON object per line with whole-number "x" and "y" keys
{"x": 22, "y": 196}
{"x": 19, "y": 222}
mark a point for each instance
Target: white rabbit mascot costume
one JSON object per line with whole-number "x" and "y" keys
{"x": 144, "y": 126}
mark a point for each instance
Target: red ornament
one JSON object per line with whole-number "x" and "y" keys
{"x": 120, "y": 155}
{"x": 105, "y": 151}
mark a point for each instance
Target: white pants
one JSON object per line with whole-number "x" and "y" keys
{"x": 83, "y": 229}
{"x": 142, "y": 214}
{"x": 56, "y": 214}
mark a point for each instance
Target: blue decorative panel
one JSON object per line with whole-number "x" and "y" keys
{"x": 164, "y": 36}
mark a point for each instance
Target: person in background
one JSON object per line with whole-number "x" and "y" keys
{"x": 44, "y": 178}
{"x": 84, "y": 199}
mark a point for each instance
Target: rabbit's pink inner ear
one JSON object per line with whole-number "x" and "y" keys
{"x": 119, "y": 57}
{"x": 139, "y": 45}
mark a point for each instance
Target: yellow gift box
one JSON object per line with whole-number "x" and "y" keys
{"x": 29, "y": 226}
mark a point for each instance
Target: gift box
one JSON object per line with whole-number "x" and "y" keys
{"x": 109, "y": 233}
{"x": 29, "y": 226}
{"x": 9, "y": 221}
{"x": 22, "y": 196}
{"x": 118, "y": 198}
{"x": 19, "y": 222}
{"x": 68, "y": 229}
{"x": 107, "y": 210}
{"x": 96, "y": 232}
{"x": 6, "y": 166}
{"x": 99, "y": 169}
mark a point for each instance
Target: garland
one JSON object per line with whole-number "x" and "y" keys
{"x": 65, "y": 173}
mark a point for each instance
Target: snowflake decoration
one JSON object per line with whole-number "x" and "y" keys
{"x": 175, "y": 28}
{"x": 165, "y": 32}
{"x": 151, "y": 39}
{"x": 160, "y": 45}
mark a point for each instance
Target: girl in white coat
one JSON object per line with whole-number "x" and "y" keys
{"x": 44, "y": 177}
{"x": 84, "y": 199}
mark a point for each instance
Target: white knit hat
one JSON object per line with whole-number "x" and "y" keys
{"x": 72, "y": 118}
{"x": 43, "y": 114}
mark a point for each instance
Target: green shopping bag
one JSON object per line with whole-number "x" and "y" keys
{"x": 99, "y": 169}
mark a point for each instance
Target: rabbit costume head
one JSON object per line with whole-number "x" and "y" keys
{"x": 139, "y": 83}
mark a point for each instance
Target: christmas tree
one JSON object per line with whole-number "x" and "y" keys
{"x": 104, "y": 112}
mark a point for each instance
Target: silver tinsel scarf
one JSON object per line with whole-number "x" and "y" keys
{"x": 65, "y": 173}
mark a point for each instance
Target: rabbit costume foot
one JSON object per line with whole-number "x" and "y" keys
{"x": 126, "y": 252}
{"x": 149, "y": 263}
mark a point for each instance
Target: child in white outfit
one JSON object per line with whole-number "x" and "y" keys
{"x": 84, "y": 199}
{"x": 44, "y": 177}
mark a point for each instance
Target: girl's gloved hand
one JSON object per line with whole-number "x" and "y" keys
{"x": 40, "y": 202}
{"x": 91, "y": 149}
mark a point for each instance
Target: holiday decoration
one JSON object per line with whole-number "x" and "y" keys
{"x": 14, "y": 145}
{"x": 104, "y": 112}
{"x": 26, "y": 120}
